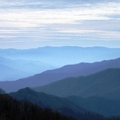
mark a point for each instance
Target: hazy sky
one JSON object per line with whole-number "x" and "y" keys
{"x": 35, "y": 23}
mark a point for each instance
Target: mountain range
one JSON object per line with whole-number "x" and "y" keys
{"x": 83, "y": 90}
{"x": 81, "y": 69}
{"x": 105, "y": 83}
{"x": 65, "y": 55}
{"x": 28, "y": 62}
{"x": 8, "y": 73}
{"x": 75, "y": 104}
{"x": 15, "y": 69}
{"x": 62, "y": 105}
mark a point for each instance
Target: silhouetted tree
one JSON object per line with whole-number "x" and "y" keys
{"x": 12, "y": 109}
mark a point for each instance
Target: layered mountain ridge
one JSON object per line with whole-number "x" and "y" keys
{"x": 50, "y": 76}
{"x": 104, "y": 83}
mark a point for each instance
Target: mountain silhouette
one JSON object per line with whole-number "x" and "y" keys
{"x": 104, "y": 83}
{"x": 60, "y": 56}
{"x": 60, "y": 73}
{"x": 62, "y": 105}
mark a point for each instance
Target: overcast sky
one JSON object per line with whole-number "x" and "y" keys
{"x": 35, "y": 23}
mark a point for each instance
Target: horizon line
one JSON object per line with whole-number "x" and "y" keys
{"x": 59, "y": 47}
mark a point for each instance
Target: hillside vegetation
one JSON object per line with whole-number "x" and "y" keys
{"x": 105, "y": 83}
{"x": 12, "y": 109}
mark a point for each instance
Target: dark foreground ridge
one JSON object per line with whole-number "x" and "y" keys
{"x": 56, "y": 103}
{"x": 12, "y": 109}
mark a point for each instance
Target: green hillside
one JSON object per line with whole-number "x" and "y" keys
{"x": 63, "y": 105}
{"x": 100, "y": 105}
{"x": 105, "y": 83}
{"x": 44, "y": 100}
